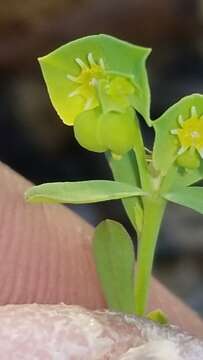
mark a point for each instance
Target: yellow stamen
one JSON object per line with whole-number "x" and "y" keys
{"x": 87, "y": 81}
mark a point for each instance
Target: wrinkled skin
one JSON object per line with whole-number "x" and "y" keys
{"x": 71, "y": 332}
{"x": 45, "y": 257}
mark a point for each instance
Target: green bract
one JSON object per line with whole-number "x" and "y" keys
{"x": 97, "y": 72}
{"x": 167, "y": 146}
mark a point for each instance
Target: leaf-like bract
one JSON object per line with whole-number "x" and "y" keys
{"x": 166, "y": 144}
{"x": 119, "y": 57}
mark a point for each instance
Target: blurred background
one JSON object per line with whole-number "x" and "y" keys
{"x": 34, "y": 142}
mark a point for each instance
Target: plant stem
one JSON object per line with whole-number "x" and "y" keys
{"x": 154, "y": 208}
{"x": 140, "y": 156}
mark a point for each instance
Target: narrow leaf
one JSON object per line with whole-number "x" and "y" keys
{"x": 114, "y": 255}
{"x": 191, "y": 197}
{"x": 81, "y": 192}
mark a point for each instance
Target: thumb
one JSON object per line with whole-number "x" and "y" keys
{"x": 70, "y": 332}
{"x": 45, "y": 252}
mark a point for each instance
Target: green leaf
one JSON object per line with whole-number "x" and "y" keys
{"x": 166, "y": 145}
{"x": 62, "y": 62}
{"x": 114, "y": 256}
{"x": 178, "y": 177}
{"x": 126, "y": 170}
{"x": 81, "y": 192}
{"x": 191, "y": 197}
{"x": 158, "y": 316}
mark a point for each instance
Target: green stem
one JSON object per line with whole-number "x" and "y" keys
{"x": 153, "y": 212}
{"x": 140, "y": 156}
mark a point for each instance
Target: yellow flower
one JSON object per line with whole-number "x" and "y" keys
{"x": 84, "y": 97}
{"x": 190, "y": 134}
{"x": 99, "y": 107}
{"x": 95, "y": 87}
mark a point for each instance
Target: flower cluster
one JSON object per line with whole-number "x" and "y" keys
{"x": 100, "y": 108}
{"x": 190, "y": 136}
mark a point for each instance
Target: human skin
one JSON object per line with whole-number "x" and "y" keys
{"x": 46, "y": 258}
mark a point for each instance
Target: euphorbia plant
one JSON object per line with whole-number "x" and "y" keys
{"x": 98, "y": 85}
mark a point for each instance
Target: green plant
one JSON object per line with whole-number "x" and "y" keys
{"x": 99, "y": 84}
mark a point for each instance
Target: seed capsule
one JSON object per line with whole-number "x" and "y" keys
{"x": 100, "y": 132}
{"x": 118, "y": 131}
{"x": 87, "y": 130}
